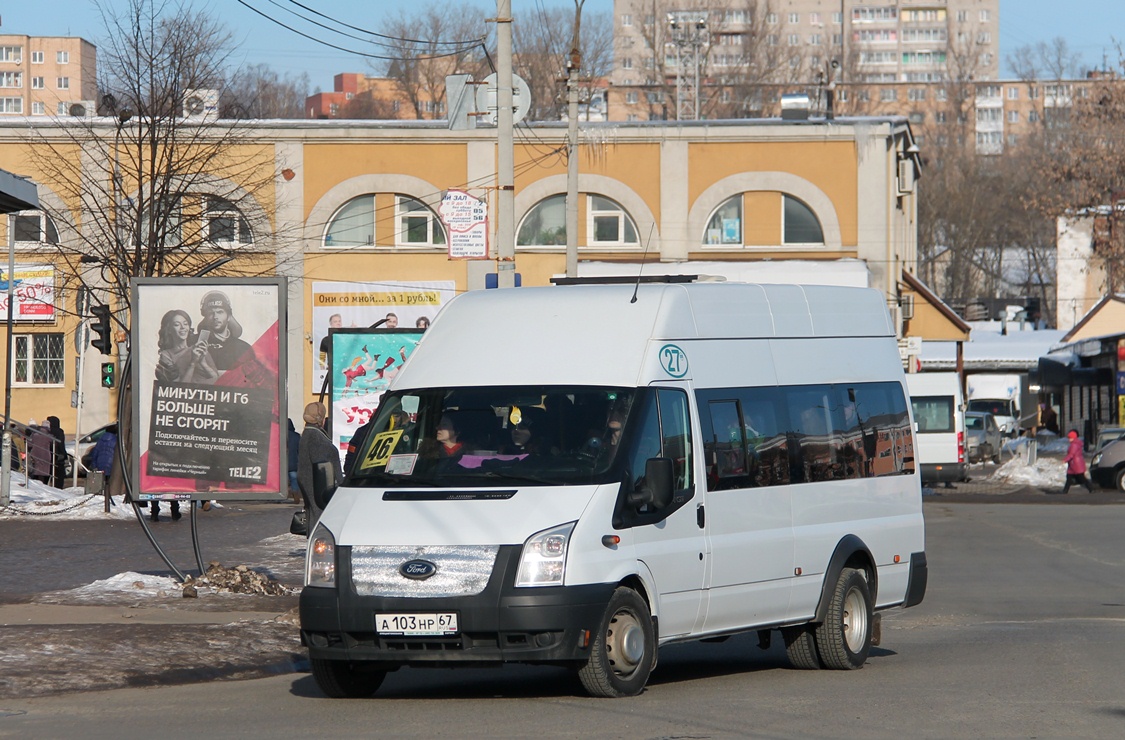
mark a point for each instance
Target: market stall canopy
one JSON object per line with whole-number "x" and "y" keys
{"x": 17, "y": 194}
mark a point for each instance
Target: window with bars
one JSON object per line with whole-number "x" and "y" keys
{"x": 37, "y": 359}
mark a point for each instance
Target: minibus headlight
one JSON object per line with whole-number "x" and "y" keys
{"x": 543, "y": 562}
{"x": 1097, "y": 459}
{"x": 320, "y": 562}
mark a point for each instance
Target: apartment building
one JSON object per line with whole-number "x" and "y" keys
{"x": 662, "y": 49}
{"x": 380, "y": 97}
{"x": 47, "y": 75}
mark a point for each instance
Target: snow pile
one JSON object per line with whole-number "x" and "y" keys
{"x": 111, "y": 590}
{"x": 30, "y": 498}
{"x": 1047, "y": 472}
{"x": 237, "y": 580}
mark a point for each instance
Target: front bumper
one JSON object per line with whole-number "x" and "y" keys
{"x": 502, "y": 624}
{"x": 1104, "y": 477}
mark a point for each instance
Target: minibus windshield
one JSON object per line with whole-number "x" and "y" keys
{"x": 492, "y": 436}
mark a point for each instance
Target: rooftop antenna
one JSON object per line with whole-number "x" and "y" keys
{"x": 648, "y": 241}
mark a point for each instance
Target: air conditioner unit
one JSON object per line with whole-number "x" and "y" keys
{"x": 906, "y": 176}
{"x": 81, "y": 109}
{"x": 906, "y": 303}
{"x": 201, "y": 105}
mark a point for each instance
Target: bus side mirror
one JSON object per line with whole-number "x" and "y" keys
{"x": 658, "y": 481}
{"x": 324, "y": 483}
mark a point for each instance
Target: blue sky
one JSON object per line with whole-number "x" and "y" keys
{"x": 1089, "y": 26}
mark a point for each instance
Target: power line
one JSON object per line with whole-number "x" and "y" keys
{"x": 469, "y": 43}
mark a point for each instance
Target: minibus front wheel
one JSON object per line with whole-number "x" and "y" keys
{"x": 345, "y": 679}
{"x": 624, "y": 649}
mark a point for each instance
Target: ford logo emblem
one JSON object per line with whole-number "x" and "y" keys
{"x": 418, "y": 570}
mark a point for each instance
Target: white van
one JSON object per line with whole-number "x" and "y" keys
{"x": 939, "y": 418}
{"x": 581, "y": 475}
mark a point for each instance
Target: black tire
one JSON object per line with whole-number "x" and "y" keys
{"x": 800, "y": 646}
{"x": 844, "y": 639}
{"x": 996, "y": 457}
{"x": 342, "y": 679}
{"x": 624, "y": 649}
{"x": 1121, "y": 479}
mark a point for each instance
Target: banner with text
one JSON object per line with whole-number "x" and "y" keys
{"x": 342, "y": 305}
{"x": 208, "y": 367}
{"x": 33, "y": 291}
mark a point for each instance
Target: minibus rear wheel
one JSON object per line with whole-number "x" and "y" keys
{"x": 624, "y": 648}
{"x": 844, "y": 638}
{"x": 343, "y": 679}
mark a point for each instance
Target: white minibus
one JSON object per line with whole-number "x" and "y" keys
{"x": 939, "y": 423}
{"x": 581, "y": 475}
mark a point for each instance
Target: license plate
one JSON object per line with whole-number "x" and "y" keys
{"x": 417, "y": 625}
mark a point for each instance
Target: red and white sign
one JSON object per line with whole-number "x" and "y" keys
{"x": 33, "y": 291}
{"x": 466, "y": 223}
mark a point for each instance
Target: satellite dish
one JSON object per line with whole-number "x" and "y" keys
{"x": 78, "y": 110}
{"x": 486, "y": 99}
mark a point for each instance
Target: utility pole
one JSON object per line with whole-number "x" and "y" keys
{"x": 573, "y": 66}
{"x": 505, "y": 156}
{"x": 688, "y": 36}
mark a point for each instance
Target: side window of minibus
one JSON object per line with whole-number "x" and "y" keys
{"x": 675, "y": 426}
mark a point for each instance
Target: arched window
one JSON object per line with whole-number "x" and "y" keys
{"x": 725, "y": 225}
{"x": 33, "y": 228}
{"x": 417, "y": 224}
{"x": 224, "y": 224}
{"x": 353, "y": 225}
{"x": 414, "y": 224}
{"x": 544, "y": 225}
{"x": 801, "y": 225}
{"x": 608, "y": 224}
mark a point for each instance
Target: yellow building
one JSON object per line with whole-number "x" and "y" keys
{"x": 351, "y": 207}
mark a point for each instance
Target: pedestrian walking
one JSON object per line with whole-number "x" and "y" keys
{"x": 1075, "y": 460}
{"x": 58, "y": 452}
{"x": 104, "y": 451}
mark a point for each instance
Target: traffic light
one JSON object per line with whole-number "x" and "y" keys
{"x": 109, "y": 372}
{"x": 104, "y": 340}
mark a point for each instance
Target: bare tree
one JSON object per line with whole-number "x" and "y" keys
{"x": 426, "y": 44}
{"x": 260, "y": 92}
{"x": 156, "y": 190}
{"x": 542, "y": 41}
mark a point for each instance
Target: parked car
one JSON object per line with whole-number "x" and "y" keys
{"x": 1107, "y": 469}
{"x": 983, "y": 438}
{"x": 1107, "y": 435}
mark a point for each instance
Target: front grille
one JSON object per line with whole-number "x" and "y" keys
{"x": 461, "y": 570}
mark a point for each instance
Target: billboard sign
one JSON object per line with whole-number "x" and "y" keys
{"x": 208, "y": 359}
{"x": 342, "y": 305}
{"x": 364, "y": 362}
{"x": 33, "y": 291}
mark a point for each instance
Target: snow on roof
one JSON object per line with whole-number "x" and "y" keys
{"x": 844, "y": 272}
{"x": 988, "y": 349}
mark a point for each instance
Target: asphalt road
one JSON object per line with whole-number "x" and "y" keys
{"x": 1022, "y": 634}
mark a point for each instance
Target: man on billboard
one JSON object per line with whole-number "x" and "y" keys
{"x": 223, "y": 331}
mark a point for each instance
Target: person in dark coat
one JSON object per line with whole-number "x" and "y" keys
{"x": 58, "y": 452}
{"x": 293, "y": 446}
{"x": 316, "y": 447}
{"x": 102, "y": 457}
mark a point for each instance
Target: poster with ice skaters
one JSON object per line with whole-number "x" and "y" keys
{"x": 208, "y": 367}
{"x": 363, "y": 362}
{"x": 345, "y": 305}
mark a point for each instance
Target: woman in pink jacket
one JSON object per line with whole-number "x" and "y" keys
{"x": 1075, "y": 463}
